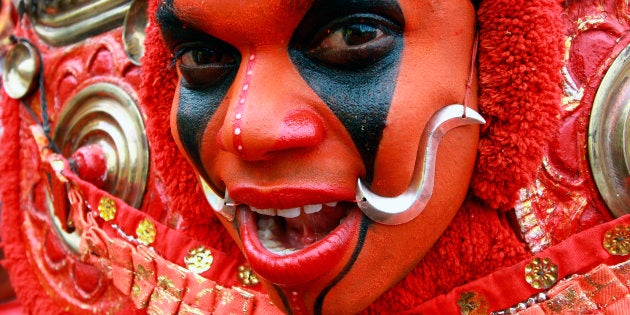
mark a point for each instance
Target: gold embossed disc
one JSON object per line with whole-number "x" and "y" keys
{"x": 609, "y": 136}
{"x": 105, "y": 115}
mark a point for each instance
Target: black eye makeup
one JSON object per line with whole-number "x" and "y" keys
{"x": 204, "y": 64}
{"x": 349, "y": 34}
{"x": 354, "y": 41}
{"x": 349, "y": 53}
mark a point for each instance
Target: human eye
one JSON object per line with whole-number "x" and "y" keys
{"x": 205, "y": 65}
{"x": 355, "y": 41}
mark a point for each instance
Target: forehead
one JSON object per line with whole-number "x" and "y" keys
{"x": 261, "y": 20}
{"x": 245, "y": 19}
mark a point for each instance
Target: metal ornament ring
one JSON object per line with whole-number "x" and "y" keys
{"x": 224, "y": 206}
{"x": 408, "y": 205}
{"x": 134, "y": 30}
{"x": 21, "y": 70}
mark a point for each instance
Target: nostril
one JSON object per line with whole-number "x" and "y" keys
{"x": 299, "y": 129}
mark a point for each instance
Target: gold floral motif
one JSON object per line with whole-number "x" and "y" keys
{"x": 541, "y": 273}
{"x": 146, "y": 232}
{"x": 617, "y": 240}
{"x": 143, "y": 273}
{"x": 225, "y": 296}
{"x": 169, "y": 286}
{"x": 107, "y": 208}
{"x": 472, "y": 303}
{"x": 246, "y": 276}
{"x": 199, "y": 259}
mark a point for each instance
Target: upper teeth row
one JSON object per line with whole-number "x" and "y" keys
{"x": 293, "y": 212}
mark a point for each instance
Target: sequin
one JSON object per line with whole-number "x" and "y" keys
{"x": 541, "y": 273}
{"x": 472, "y": 303}
{"x": 617, "y": 240}
{"x": 107, "y": 209}
{"x": 246, "y": 276}
{"x": 146, "y": 232}
{"x": 198, "y": 259}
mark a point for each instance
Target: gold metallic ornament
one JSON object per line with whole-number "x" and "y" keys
{"x": 199, "y": 259}
{"x": 617, "y": 240}
{"x": 146, "y": 232}
{"x": 134, "y": 30}
{"x": 63, "y": 22}
{"x": 107, "y": 209}
{"x": 21, "y": 70}
{"x": 541, "y": 273}
{"x": 609, "y": 136}
{"x": 105, "y": 115}
{"x": 472, "y": 303}
{"x": 246, "y": 276}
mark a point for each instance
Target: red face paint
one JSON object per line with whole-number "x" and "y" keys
{"x": 286, "y": 103}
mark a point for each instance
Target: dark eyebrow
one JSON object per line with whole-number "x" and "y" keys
{"x": 328, "y": 9}
{"x": 323, "y": 12}
{"x": 166, "y": 16}
{"x": 174, "y": 30}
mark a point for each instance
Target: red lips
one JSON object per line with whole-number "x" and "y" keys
{"x": 304, "y": 265}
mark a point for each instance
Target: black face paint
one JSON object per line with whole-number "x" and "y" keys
{"x": 356, "y": 83}
{"x": 194, "y": 111}
{"x": 201, "y": 88}
{"x": 359, "y": 92}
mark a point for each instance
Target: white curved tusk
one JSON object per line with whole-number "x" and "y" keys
{"x": 408, "y": 205}
{"x": 223, "y": 206}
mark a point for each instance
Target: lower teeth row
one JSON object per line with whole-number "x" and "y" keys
{"x": 267, "y": 238}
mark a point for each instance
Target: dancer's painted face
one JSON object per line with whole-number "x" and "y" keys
{"x": 285, "y": 103}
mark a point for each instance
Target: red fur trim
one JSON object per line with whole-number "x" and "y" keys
{"x": 476, "y": 243}
{"x": 520, "y": 61}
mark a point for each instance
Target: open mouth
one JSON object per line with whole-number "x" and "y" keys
{"x": 297, "y": 245}
{"x": 287, "y": 231}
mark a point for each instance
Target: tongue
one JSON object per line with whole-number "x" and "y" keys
{"x": 309, "y": 228}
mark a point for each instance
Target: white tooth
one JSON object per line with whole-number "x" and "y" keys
{"x": 289, "y": 213}
{"x": 265, "y": 223}
{"x": 264, "y": 234}
{"x": 308, "y": 209}
{"x": 270, "y": 212}
{"x": 331, "y": 204}
{"x": 288, "y": 251}
{"x": 270, "y": 244}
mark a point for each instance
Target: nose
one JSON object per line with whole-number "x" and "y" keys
{"x": 271, "y": 109}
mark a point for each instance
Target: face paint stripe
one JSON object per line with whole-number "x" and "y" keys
{"x": 195, "y": 108}
{"x": 237, "y": 139}
{"x": 283, "y": 297}
{"x": 360, "y": 96}
{"x": 363, "y": 229}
